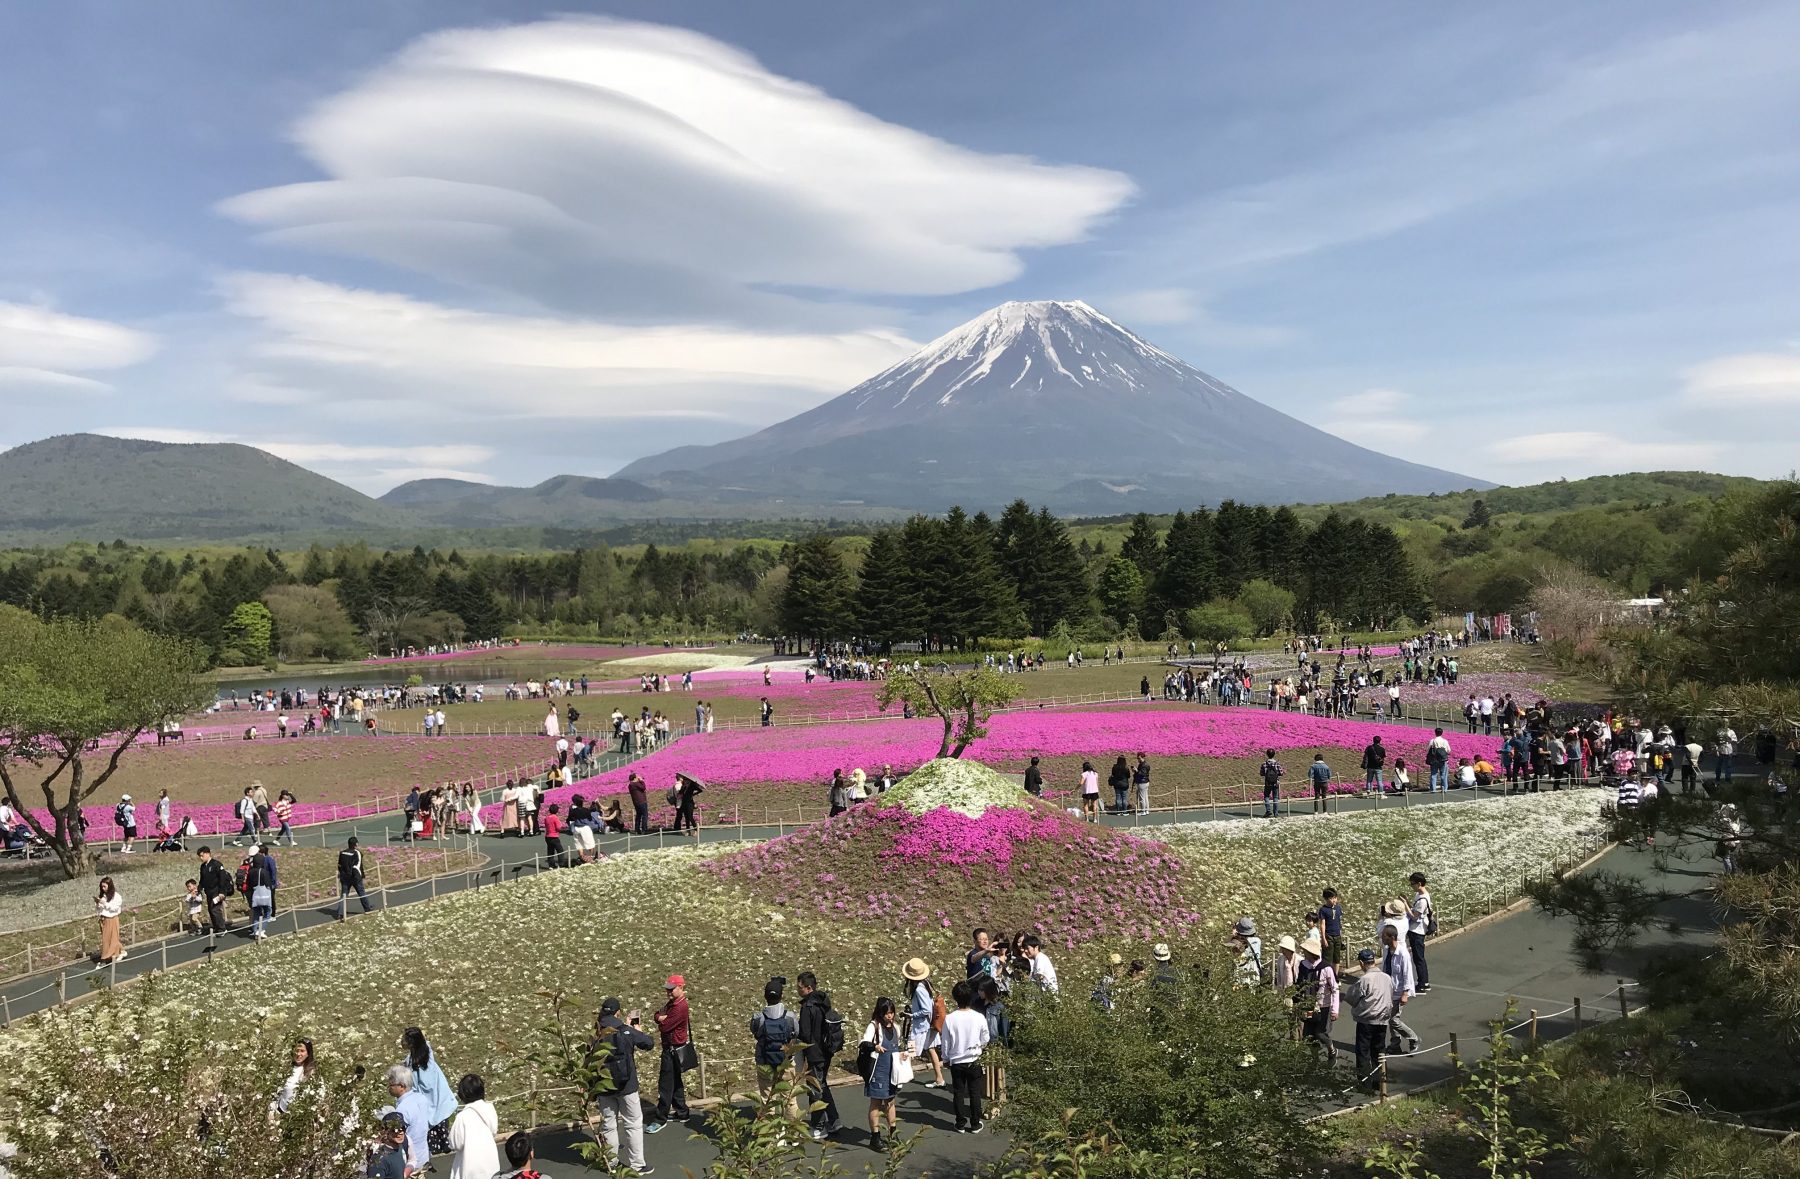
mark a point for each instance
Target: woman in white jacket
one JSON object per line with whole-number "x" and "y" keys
{"x": 474, "y": 1154}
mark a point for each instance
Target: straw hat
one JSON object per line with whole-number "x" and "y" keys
{"x": 1286, "y": 943}
{"x": 1394, "y": 908}
{"x": 916, "y": 970}
{"x": 1160, "y": 951}
{"x": 1311, "y": 946}
{"x": 1115, "y": 960}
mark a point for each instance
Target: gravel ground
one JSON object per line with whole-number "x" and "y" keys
{"x": 37, "y": 895}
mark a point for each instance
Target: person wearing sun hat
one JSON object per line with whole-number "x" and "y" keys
{"x": 1286, "y": 967}
{"x": 1164, "y": 977}
{"x": 925, "y": 1015}
{"x": 1249, "y": 952}
{"x": 1316, "y": 995}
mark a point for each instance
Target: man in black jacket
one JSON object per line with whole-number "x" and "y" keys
{"x": 1374, "y": 758}
{"x": 621, "y": 1110}
{"x": 216, "y": 886}
{"x": 816, "y": 1034}
{"x": 350, "y": 876}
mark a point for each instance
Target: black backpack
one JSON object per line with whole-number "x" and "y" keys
{"x": 773, "y": 1037}
{"x": 618, "y": 1059}
{"x": 119, "y": 815}
{"x": 834, "y": 1031}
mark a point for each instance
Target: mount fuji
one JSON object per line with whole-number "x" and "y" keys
{"x": 1051, "y": 401}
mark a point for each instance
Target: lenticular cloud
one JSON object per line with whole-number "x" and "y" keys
{"x": 535, "y": 152}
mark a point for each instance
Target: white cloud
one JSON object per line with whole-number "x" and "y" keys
{"x": 1593, "y": 451}
{"x": 1380, "y": 419}
{"x": 1656, "y": 102}
{"x": 1754, "y": 378}
{"x": 597, "y": 163}
{"x": 1175, "y": 305}
{"x": 335, "y": 343}
{"x": 44, "y": 350}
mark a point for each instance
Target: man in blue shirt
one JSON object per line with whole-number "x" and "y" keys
{"x": 414, "y": 1109}
{"x": 1320, "y": 773}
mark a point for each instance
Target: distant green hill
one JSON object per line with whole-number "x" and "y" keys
{"x": 87, "y": 486}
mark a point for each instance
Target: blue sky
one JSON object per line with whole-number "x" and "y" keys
{"x": 503, "y": 241}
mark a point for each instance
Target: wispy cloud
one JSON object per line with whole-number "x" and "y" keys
{"x": 47, "y": 351}
{"x": 1595, "y": 451}
{"x": 1381, "y": 419}
{"x": 1754, "y": 378}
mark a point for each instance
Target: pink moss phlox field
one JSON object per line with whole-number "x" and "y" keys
{"x": 809, "y": 753}
{"x": 1030, "y": 868}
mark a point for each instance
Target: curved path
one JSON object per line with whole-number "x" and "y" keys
{"x": 1521, "y": 954}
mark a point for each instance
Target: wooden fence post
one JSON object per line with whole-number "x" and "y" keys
{"x": 1455, "y": 1054}
{"x": 1534, "y": 1027}
{"x": 1578, "y": 1013}
{"x": 1624, "y": 1008}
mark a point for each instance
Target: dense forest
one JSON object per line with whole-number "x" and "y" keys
{"x": 1225, "y": 572}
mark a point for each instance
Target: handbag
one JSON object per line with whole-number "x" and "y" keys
{"x": 262, "y": 897}
{"x": 687, "y": 1057}
{"x": 865, "y": 1060}
{"x": 418, "y": 825}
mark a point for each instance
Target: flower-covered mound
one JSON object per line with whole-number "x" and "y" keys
{"x": 962, "y": 846}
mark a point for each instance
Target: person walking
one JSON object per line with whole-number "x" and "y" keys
{"x": 284, "y": 817}
{"x": 350, "y": 878}
{"x": 216, "y": 887}
{"x": 1319, "y": 774}
{"x": 822, "y": 1031}
{"x": 1140, "y": 780}
{"x": 474, "y": 1148}
{"x": 1724, "y": 749}
{"x": 889, "y": 1067}
{"x": 1374, "y": 760}
{"x": 771, "y": 1031}
{"x": 677, "y": 1051}
{"x": 621, "y": 1107}
{"x": 965, "y": 1035}
{"x": 261, "y": 880}
{"x": 1371, "y": 996}
{"x": 1316, "y": 996}
{"x": 429, "y": 1082}
{"x": 1090, "y": 792}
{"x": 1271, "y": 772}
{"x": 108, "y": 904}
{"x": 687, "y": 792}
{"x": 1397, "y": 965}
{"x": 1421, "y": 922}
{"x": 925, "y": 1015}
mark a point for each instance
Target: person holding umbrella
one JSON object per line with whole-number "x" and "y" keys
{"x": 687, "y": 789}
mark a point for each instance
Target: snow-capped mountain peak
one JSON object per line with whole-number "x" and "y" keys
{"x": 1026, "y": 348}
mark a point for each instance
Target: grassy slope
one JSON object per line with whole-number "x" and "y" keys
{"x": 621, "y": 926}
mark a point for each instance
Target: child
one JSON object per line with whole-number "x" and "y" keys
{"x": 389, "y": 1159}
{"x": 196, "y": 906}
{"x": 521, "y": 1154}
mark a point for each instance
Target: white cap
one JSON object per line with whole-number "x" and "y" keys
{"x": 124, "y": 798}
